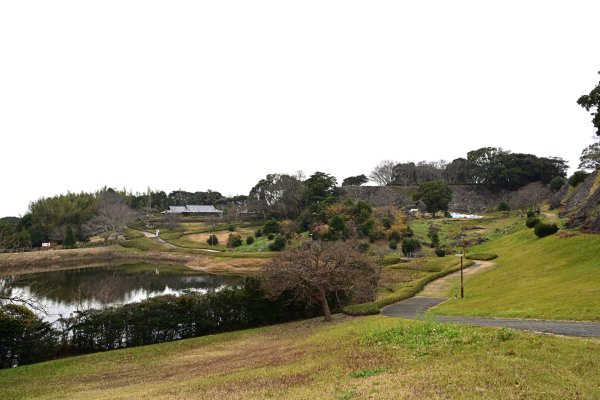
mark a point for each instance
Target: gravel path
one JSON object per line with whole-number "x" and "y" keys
{"x": 415, "y": 308}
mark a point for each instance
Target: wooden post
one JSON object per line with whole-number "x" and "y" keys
{"x": 462, "y": 286}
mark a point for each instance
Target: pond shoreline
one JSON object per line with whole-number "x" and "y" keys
{"x": 42, "y": 261}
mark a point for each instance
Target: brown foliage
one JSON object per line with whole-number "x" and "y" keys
{"x": 318, "y": 270}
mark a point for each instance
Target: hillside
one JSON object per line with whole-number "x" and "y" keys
{"x": 581, "y": 205}
{"x": 350, "y": 358}
{"x": 551, "y": 278}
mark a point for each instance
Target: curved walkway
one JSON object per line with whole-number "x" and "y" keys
{"x": 157, "y": 239}
{"x": 415, "y": 308}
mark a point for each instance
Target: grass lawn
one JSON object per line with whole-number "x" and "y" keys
{"x": 350, "y": 358}
{"x": 143, "y": 243}
{"x": 549, "y": 278}
{"x": 198, "y": 239}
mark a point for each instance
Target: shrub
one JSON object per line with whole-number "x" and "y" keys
{"x": 270, "y": 236}
{"x": 367, "y": 227}
{"x": 376, "y": 235}
{"x": 395, "y": 235}
{"x": 530, "y": 214}
{"x": 435, "y": 239}
{"x": 503, "y": 206}
{"x": 482, "y": 256}
{"x": 440, "y": 252}
{"x": 272, "y": 226}
{"x": 231, "y": 228}
{"x": 556, "y": 183}
{"x": 363, "y": 247}
{"x": 258, "y": 233}
{"x": 542, "y": 230}
{"x": 213, "y": 240}
{"x": 24, "y": 337}
{"x": 387, "y": 222}
{"x": 410, "y": 245}
{"x": 234, "y": 240}
{"x": 278, "y": 244}
{"x": 393, "y": 244}
{"x": 577, "y": 178}
{"x": 69, "y": 241}
{"x": 532, "y": 221}
{"x": 250, "y": 240}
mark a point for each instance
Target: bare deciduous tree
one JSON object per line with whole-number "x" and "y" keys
{"x": 170, "y": 221}
{"x": 113, "y": 216}
{"x": 383, "y": 173}
{"x": 16, "y": 272}
{"x": 318, "y": 270}
{"x": 529, "y": 196}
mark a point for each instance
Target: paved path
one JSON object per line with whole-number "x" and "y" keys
{"x": 157, "y": 239}
{"x": 440, "y": 287}
{"x": 415, "y": 308}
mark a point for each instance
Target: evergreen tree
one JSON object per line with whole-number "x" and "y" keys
{"x": 69, "y": 241}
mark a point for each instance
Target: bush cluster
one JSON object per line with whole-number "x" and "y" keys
{"x": 213, "y": 240}
{"x": 234, "y": 240}
{"x": 542, "y": 230}
{"x": 278, "y": 244}
{"x": 532, "y": 222}
{"x": 503, "y": 206}
{"x": 271, "y": 226}
{"x": 410, "y": 245}
{"x": 24, "y": 338}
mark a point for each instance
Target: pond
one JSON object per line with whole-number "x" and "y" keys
{"x": 466, "y": 216}
{"x": 64, "y": 291}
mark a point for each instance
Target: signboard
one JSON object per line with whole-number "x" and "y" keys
{"x": 45, "y": 244}
{"x": 459, "y": 255}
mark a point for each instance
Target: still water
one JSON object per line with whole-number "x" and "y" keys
{"x": 65, "y": 291}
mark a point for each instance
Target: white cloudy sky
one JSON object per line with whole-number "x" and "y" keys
{"x": 216, "y": 94}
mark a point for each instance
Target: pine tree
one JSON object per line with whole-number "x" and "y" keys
{"x": 69, "y": 241}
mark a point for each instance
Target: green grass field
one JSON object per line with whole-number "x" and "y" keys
{"x": 549, "y": 278}
{"x": 351, "y": 358}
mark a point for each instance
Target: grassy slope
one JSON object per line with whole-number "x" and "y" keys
{"x": 351, "y": 358}
{"x": 550, "y": 278}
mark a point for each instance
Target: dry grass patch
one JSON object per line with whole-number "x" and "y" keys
{"x": 351, "y": 358}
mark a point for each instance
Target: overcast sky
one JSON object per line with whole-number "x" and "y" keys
{"x": 216, "y": 94}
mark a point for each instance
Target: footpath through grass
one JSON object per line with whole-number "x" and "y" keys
{"x": 550, "y": 278}
{"x": 351, "y": 358}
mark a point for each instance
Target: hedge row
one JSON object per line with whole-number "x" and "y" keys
{"x": 25, "y": 339}
{"x": 482, "y": 256}
{"x": 374, "y": 307}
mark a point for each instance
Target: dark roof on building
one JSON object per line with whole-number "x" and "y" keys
{"x": 198, "y": 209}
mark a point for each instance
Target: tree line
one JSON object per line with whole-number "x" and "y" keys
{"x": 75, "y": 217}
{"x": 488, "y": 166}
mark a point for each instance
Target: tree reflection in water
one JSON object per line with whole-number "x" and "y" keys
{"x": 63, "y": 292}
